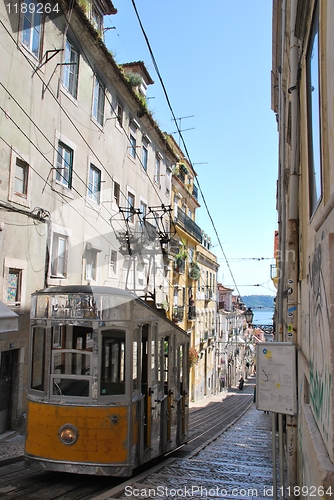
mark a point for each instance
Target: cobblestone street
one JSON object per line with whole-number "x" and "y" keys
{"x": 237, "y": 465}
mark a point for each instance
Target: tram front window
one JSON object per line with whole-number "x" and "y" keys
{"x": 72, "y": 352}
{"x": 112, "y": 363}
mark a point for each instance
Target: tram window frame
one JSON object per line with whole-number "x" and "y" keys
{"x": 136, "y": 355}
{"x": 72, "y": 377}
{"x": 115, "y": 388}
{"x": 40, "y": 343}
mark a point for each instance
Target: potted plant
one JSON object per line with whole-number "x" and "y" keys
{"x": 193, "y": 357}
{"x": 181, "y": 256}
{"x": 194, "y": 271}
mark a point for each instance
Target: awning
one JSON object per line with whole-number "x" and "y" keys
{"x": 8, "y": 319}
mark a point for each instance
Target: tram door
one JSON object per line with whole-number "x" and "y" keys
{"x": 6, "y": 377}
{"x": 181, "y": 397}
{"x": 152, "y": 390}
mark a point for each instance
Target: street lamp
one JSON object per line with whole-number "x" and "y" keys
{"x": 249, "y": 316}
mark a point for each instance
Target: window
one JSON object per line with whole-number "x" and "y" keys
{"x": 143, "y": 209}
{"x": 112, "y": 376}
{"x": 91, "y": 262}
{"x": 94, "y": 184}
{"x": 32, "y": 28}
{"x": 98, "y": 101}
{"x": 97, "y": 19}
{"x": 14, "y": 286}
{"x": 71, "y": 69}
{"x": 131, "y": 206}
{"x": 71, "y": 361}
{"x": 157, "y": 170}
{"x": 113, "y": 261}
{"x": 59, "y": 255}
{"x": 144, "y": 154}
{"x": 133, "y": 140}
{"x": 37, "y": 359}
{"x": 117, "y": 191}
{"x": 313, "y": 91}
{"x": 21, "y": 177}
{"x": 119, "y": 113}
{"x": 168, "y": 180}
{"x": 64, "y": 165}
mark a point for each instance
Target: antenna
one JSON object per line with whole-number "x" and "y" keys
{"x": 180, "y": 122}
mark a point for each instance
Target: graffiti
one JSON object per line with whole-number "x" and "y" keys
{"x": 320, "y": 375}
{"x": 320, "y": 396}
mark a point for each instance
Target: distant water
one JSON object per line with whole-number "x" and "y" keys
{"x": 263, "y": 316}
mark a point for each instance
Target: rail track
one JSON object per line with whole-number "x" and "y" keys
{"x": 17, "y": 481}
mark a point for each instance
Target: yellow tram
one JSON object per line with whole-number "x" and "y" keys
{"x": 108, "y": 381}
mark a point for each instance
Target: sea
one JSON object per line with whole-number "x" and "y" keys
{"x": 263, "y": 316}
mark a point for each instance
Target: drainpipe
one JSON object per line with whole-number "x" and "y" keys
{"x": 292, "y": 257}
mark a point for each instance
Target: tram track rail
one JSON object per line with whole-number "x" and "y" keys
{"x": 17, "y": 481}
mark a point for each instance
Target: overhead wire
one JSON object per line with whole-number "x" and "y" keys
{"x": 183, "y": 141}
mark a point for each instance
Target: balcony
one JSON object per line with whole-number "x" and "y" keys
{"x": 191, "y": 313}
{"x": 180, "y": 266}
{"x": 188, "y": 224}
{"x": 178, "y": 314}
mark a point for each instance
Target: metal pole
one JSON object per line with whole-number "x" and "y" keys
{"x": 273, "y": 438}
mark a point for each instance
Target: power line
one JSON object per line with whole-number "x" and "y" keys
{"x": 181, "y": 136}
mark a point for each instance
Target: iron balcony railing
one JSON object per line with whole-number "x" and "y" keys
{"x": 191, "y": 312}
{"x": 178, "y": 313}
{"x": 188, "y": 224}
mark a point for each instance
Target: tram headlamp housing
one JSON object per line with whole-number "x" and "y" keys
{"x": 68, "y": 434}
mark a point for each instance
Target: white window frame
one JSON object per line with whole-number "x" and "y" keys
{"x": 28, "y": 33}
{"x": 144, "y": 154}
{"x": 130, "y": 194}
{"x": 71, "y": 68}
{"x": 119, "y": 114}
{"x": 20, "y": 266}
{"x": 98, "y": 100}
{"x": 113, "y": 258}
{"x": 55, "y": 272}
{"x": 94, "y": 185}
{"x": 133, "y": 127}
{"x": 157, "y": 169}
{"x": 20, "y": 198}
{"x": 62, "y": 165}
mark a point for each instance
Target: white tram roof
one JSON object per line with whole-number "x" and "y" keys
{"x": 124, "y": 296}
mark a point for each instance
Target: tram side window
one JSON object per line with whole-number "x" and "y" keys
{"x": 112, "y": 363}
{"x": 38, "y": 356}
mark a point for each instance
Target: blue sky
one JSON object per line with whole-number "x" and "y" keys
{"x": 215, "y": 61}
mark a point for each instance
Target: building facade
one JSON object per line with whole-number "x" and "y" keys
{"x": 85, "y": 172}
{"x": 302, "y": 96}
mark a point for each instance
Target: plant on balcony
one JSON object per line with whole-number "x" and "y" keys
{"x": 194, "y": 271}
{"x": 193, "y": 357}
{"x": 181, "y": 256}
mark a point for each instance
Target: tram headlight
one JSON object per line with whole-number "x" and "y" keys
{"x": 68, "y": 434}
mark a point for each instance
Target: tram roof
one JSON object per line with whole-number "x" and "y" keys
{"x": 98, "y": 290}
{"x": 102, "y": 290}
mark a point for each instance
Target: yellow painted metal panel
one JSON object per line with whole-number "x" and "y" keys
{"x": 102, "y": 433}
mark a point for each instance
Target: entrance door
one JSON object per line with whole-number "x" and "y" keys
{"x": 6, "y": 377}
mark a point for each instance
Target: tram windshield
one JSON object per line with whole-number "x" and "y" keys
{"x": 71, "y": 361}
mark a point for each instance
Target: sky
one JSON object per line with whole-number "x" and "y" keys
{"x": 214, "y": 58}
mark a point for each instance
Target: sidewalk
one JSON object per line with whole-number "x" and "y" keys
{"x": 11, "y": 447}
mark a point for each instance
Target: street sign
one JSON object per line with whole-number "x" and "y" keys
{"x": 276, "y": 377}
